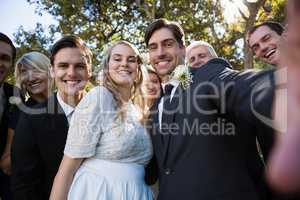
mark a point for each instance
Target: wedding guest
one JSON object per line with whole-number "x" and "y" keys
{"x": 40, "y": 135}
{"x": 199, "y": 52}
{"x": 284, "y": 165}
{"x": 107, "y": 145}
{"x": 7, "y": 58}
{"x": 196, "y": 154}
{"x": 32, "y": 76}
{"x": 151, "y": 86}
{"x": 264, "y": 39}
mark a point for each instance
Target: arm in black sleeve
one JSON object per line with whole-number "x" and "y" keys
{"x": 26, "y": 162}
{"x": 245, "y": 97}
{"x": 151, "y": 172}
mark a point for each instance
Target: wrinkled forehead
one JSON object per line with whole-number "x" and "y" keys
{"x": 199, "y": 49}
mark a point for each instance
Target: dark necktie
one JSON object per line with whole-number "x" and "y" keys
{"x": 168, "y": 89}
{"x": 166, "y": 104}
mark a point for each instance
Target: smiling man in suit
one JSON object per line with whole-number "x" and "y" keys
{"x": 41, "y": 135}
{"x": 264, "y": 39}
{"x": 7, "y": 57}
{"x": 204, "y": 136}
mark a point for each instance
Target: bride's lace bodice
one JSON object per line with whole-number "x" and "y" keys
{"x": 96, "y": 131}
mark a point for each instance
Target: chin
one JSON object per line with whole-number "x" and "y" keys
{"x": 125, "y": 82}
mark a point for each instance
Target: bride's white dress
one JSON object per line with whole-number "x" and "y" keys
{"x": 116, "y": 151}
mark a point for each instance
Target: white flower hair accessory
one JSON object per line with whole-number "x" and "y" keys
{"x": 183, "y": 75}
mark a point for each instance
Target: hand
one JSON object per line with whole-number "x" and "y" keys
{"x": 5, "y": 164}
{"x": 284, "y": 165}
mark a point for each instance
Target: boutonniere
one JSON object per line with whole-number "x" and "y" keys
{"x": 183, "y": 75}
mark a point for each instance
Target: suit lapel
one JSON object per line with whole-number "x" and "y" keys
{"x": 169, "y": 119}
{"x": 56, "y": 114}
{"x": 155, "y": 130}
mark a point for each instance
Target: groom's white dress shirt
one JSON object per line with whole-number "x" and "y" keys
{"x": 175, "y": 83}
{"x": 68, "y": 110}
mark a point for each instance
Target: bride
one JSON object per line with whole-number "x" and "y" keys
{"x": 107, "y": 146}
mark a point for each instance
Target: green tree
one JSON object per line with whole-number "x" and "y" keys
{"x": 101, "y": 22}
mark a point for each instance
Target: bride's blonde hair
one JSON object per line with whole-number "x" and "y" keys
{"x": 106, "y": 80}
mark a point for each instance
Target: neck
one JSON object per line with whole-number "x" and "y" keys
{"x": 39, "y": 98}
{"x": 72, "y": 100}
{"x": 125, "y": 93}
{"x": 165, "y": 79}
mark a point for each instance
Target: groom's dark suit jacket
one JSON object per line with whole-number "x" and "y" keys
{"x": 208, "y": 151}
{"x": 37, "y": 150}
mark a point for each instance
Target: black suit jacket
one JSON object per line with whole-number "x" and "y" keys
{"x": 208, "y": 149}
{"x": 8, "y": 92}
{"x": 37, "y": 150}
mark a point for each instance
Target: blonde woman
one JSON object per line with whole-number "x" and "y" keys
{"x": 151, "y": 86}
{"x": 107, "y": 146}
{"x": 32, "y": 76}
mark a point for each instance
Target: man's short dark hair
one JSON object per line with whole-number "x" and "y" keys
{"x": 274, "y": 26}
{"x": 174, "y": 27}
{"x": 70, "y": 41}
{"x": 5, "y": 38}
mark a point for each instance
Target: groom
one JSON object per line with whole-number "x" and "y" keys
{"x": 204, "y": 136}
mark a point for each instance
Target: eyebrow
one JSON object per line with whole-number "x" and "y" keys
{"x": 165, "y": 40}
{"x": 67, "y": 63}
{"x": 120, "y": 55}
{"x": 4, "y": 55}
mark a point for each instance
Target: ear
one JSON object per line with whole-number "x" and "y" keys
{"x": 285, "y": 33}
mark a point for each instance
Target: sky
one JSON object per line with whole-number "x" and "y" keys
{"x": 15, "y": 13}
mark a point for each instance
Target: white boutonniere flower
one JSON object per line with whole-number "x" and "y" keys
{"x": 183, "y": 75}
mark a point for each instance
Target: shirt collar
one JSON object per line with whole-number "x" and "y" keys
{"x": 175, "y": 83}
{"x": 66, "y": 107}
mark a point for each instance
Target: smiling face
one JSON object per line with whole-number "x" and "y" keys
{"x": 123, "y": 65}
{"x": 35, "y": 82}
{"x": 70, "y": 72}
{"x": 152, "y": 86}
{"x": 198, "y": 56}
{"x": 6, "y": 60}
{"x": 165, "y": 52}
{"x": 264, "y": 43}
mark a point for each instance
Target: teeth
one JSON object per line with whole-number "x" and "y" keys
{"x": 124, "y": 72}
{"x": 35, "y": 84}
{"x": 270, "y": 53}
{"x": 72, "y": 82}
{"x": 163, "y": 63}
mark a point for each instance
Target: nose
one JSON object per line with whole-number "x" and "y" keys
{"x": 71, "y": 71}
{"x": 124, "y": 63}
{"x": 29, "y": 75}
{"x": 160, "y": 52}
{"x": 197, "y": 62}
{"x": 263, "y": 48}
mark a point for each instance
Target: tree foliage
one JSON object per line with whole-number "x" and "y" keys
{"x": 100, "y": 22}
